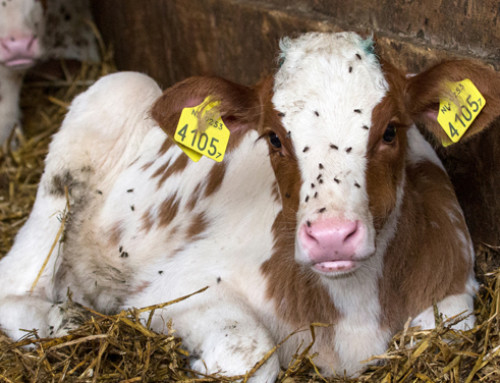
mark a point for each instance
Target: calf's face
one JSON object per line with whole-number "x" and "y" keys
{"x": 21, "y": 30}
{"x": 337, "y": 131}
{"x": 338, "y": 134}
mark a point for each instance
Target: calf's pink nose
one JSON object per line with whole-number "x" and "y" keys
{"x": 331, "y": 239}
{"x": 23, "y": 48}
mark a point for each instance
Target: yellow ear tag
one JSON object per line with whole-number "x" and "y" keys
{"x": 193, "y": 140}
{"x": 457, "y": 115}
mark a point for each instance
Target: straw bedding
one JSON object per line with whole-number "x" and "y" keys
{"x": 120, "y": 348}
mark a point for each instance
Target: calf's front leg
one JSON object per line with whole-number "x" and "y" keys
{"x": 222, "y": 333}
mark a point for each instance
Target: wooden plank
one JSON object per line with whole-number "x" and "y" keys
{"x": 174, "y": 39}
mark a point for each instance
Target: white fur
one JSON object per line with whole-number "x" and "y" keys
{"x": 108, "y": 147}
{"x": 453, "y": 307}
{"x": 420, "y": 150}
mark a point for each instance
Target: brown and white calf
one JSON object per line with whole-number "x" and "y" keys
{"x": 32, "y": 30}
{"x": 328, "y": 207}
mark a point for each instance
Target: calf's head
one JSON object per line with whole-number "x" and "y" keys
{"x": 336, "y": 118}
{"x": 21, "y": 29}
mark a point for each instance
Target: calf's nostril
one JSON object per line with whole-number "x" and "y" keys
{"x": 310, "y": 237}
{"x": 31, "y": 42}
{"x": 351, "y": 234}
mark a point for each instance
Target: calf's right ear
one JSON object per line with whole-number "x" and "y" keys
{"x": 239, "y": 105}
{"x": 424, "y": 91}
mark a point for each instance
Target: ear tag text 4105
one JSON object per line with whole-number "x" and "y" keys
{"x": 457, "y": 115}
{"x": 201, "y": 132}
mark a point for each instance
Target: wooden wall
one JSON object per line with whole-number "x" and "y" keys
{"x": 238, "y": 39}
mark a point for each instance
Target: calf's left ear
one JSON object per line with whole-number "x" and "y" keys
{"x": 424, "y": 91}
{"x": 239, "y": 105}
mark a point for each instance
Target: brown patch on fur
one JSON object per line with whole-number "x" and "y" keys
{"x": 168, "y": 210}
{"x": 298, "y": 294}
{"x": 161, "y": 169}
{"x": 134, "y": 161}
{"x": 215, "y": 178}
{"x": 420, "y": 266}
{"x": 283, "y": 159}
{"x": 147, "y": 221}
{"x": 178, "y": 166}
{"x": 172, "y": 232}
{"x": 115, "y": 234}
{"x": 167, "y": 144}
{"x": 425, "y": 261}
{"x": 147, "y": 165}
{"x": 176, "y": 251}
{"x": 386, "y": 160}
{"x": 385, "y": 163}
{"x": 141, "y": 287}
{"x": 276, "y": 193}
{"x": 193, "y": 198}
{"x": 198, "y": 225}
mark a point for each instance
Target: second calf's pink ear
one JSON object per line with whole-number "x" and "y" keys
{"x": 424, "y": 91}
{"x": 239, "y": 105}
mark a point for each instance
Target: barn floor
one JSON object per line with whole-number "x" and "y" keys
{"x": 121, "y": 349}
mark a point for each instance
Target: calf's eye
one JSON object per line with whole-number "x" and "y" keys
{"x": 389, "y": 134}
{"x": 274, "y": 140}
